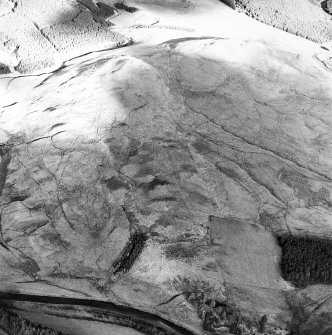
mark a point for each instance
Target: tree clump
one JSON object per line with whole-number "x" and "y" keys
{"x": 306, "y": 261}
{"x": 4, "y": 69}
{"x": 219, "y": 314}
{"x": 220, "y": 318}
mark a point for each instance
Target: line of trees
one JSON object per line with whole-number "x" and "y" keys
{"x": 131, "y": 252}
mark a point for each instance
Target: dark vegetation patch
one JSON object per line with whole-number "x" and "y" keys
{"x": 99, "y": 9}
{"x": 218, "y": 316}
{"x": 306, "y": 261}
{"x": 160, "y": 199}
{"x": 198, "y": 197}
{"x": 227, "y": 172}
{"x": 171, "y": 146}
{"x": 145, "y": 157}
{"x": 115, "y": 183}
{"x": 169, "y": 140}
{"x": 4, "y": 69}
{"x": 55, "y": 238}
{"x": 182, "y": 251}
{"x": 50, "y": 109}
{"x": 188, "y": 168}
{"x": 202, "y": 147}
{"x": 229, "y": 3}
{"x": 28, "y": 265}
{"x": 18, "y": 197}
{"x": 4, "y": 162}
{"x": 14, "y": 324}
{"x": 88, "y": 69}
{"x": 120, "y": 5}
{"x": 301, "y": 186}
{"x": 59, "y": 274}
{"x": 327, "y": 6}
{"x": 224, "y": 316}
{"x": 130, "y": 253}
{"x": 150, "y": 186}
{"x": 122, "y": 124}
{"x": 134, "y": 146}
{"x": 269, "y": 221}
{"x": 210, "y": 266}
{"x": 144, "y": 171}
{"x": 104, "y": 9}
{"x": 310, "y": 317}
{"x": 130, "y": 217}
{"x": 164, "y": 221}
{"x": 57, "y": 125}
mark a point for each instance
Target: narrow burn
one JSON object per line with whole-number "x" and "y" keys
{"x": 306, "y": 261}
{"x": 130, "y": 253}
{"x": 164, "y": 199}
